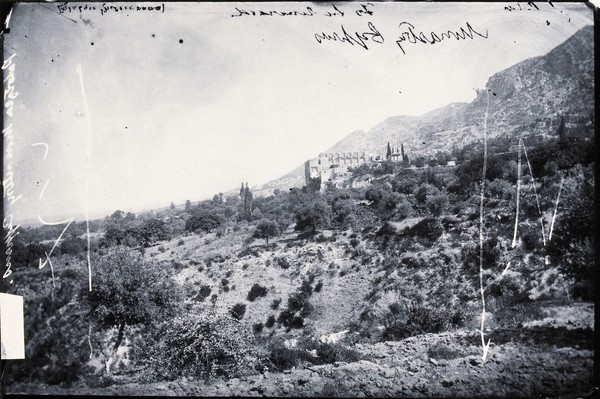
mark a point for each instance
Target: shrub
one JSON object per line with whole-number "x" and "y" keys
{"x": 284, "y": 358}
{"x": 203, "y": 293}
{"x": 290, "y": 320}
{"x": 319, "y": 286}
{"x": 331, "y": 353}
{"x": 412, "y": 318}
{"x": 205, "y": 346}
{"x": 256, "y": 291}
{"x": 320, "y": 238}
{"x": 257, "y": 328}
{"x": 238, "y": 311}
{"x": 270, "y": 321}
{"x": 224, "y": 282}
{"x": 282, "y": 262}
{"x": 275, "y": 303}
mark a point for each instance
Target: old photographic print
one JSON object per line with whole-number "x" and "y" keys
{"x": 316, "y": 199}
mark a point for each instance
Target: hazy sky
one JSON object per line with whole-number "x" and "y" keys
{"x": 190, "y": 102}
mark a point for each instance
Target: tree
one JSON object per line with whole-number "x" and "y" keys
{"x": 188, "y": 205}
{"x": 266, "y": 228}
{"x": 152, "y": 230}
{"x": 172, "y": 206}
{"x": 246, "y": 197}
{"x": 313, "y": 215}
{"x": 203, "y": 220}
{"x": 127, "y": 291}
{"x": 314, "y": 184}
{"x": 388, "y": 152}
{"x": 436, "y": 203}
{"x": 562, "y": 134}
{"x": 117, "y": 216}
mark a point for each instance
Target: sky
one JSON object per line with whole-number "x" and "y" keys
{"x": 135, "y": 109}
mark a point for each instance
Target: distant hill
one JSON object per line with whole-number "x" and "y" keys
{"x": 528, "y": 98}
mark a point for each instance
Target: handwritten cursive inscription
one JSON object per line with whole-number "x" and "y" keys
{"x": 408, "y": 35}
{"x": 8, "y": 183}
{"x": 239, "y": 12}
{"x": 356, "y": 38}
{"x": 332, "y": 11}
{"x": 9, "y": 90}
{"x": 67, "y": 8}
{"x": 8, "y": 242}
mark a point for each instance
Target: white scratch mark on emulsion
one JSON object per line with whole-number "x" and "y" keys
{"x": 45, "y": 148}
{"x": 514, "y": 241}
{"x": 68, "y": 222}
{"x": 44, "y": 189}
{"x": 506, "y": 269}
{"x": 79, "y": 71}
{"x": 485, "y": 346}
{"x": 562, "y": 179}
{"x": 537, "y": 200}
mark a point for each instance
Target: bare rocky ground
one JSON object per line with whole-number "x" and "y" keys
{"x": 552, "y": 357}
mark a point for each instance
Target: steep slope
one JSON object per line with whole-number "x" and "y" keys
{"x": 527, "y": 98}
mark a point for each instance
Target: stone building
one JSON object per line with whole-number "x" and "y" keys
{"x": 330, "y": 165}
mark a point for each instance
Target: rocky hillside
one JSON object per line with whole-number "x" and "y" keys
{"x": 527, "y": 98}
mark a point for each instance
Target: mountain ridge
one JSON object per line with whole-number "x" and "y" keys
{"x": 527, "y": 98}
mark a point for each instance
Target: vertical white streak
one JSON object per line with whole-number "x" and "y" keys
{"x": 514, "y": 241}
{"x": 88, "y": 153}
{"x": 562, "y": 179}
{"x": 481, "y": 240}
{"x": 44, "y": 189}
{"x": 537, "y": 200}
{"x": 90, "y": 341}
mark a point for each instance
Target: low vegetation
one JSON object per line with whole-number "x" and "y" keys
{"x": 231, "y": 285}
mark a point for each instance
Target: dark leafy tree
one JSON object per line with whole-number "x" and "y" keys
{"x": 562, "y": 133}
{"x": 113, "y": 236}
{"x": 73, "y": 246}
{"x": 266, "y": 229}
{"x": 246, "y": 202}
{"x": 312, "y": 216}
{"x": 152, "y": 231}
{"x": 314, "y": 184}
{"x": 203, "y": 220}
{"x": 127, "y": 291}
